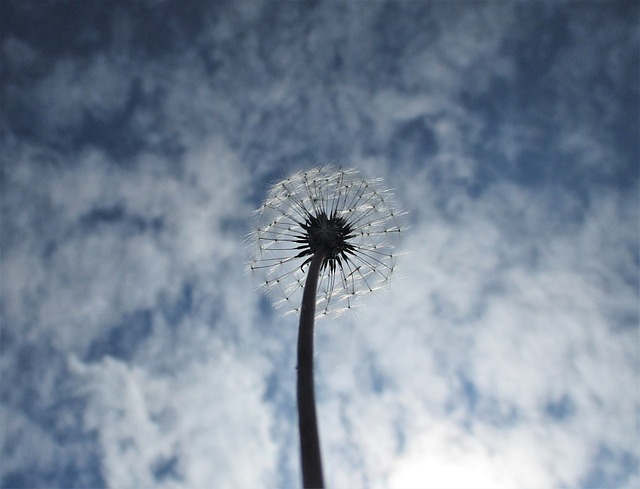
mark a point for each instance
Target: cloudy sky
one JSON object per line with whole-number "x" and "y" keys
{"x": 137, "y": 139}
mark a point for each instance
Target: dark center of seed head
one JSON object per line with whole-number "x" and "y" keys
{"x": 329, "y": 233}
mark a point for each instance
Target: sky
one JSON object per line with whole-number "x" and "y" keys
{"x": 137, "y": 139}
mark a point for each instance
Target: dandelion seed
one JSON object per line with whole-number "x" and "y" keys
{"x": 351, "y": 218}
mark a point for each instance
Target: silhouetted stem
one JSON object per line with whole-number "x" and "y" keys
{"x": 308, "y": 424}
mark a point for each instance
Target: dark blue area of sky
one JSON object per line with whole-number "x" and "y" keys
{"x": 166, "y": 469}
{"x": 531, "y": 98}
{"x": 481, "y": 408}
{"x": 60, "y": 29}
{"x": 611, "y": 468}
{"x": 560, "y": 409}
{"x": 121, "y": 341}
{"x": 117, "y": 216}
{"x": 87, "y": 27}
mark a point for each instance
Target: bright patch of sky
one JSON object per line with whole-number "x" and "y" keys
{"x": 138, "y": 137}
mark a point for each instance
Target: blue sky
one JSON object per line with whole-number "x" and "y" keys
{"x": 137, "y": 138}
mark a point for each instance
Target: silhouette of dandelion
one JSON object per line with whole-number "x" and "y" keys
{"x": 350, "y": 217}
{"x": 326, "y": 236}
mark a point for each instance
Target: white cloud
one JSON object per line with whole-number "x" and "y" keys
{"x": 446, "y": 456}
{"x": 84, "y": 275}
{"x": 199, "y": 425}
{"x": 188, "y": 410}
{"x": 75, "y": 88}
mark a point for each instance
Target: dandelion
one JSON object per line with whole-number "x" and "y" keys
{"x": 348, "y": 218}
{"x": 326, "y": 236}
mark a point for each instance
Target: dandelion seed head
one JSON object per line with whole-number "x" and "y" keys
{"x": 349, "y": 218}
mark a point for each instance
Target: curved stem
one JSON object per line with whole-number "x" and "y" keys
{"x": 307, "y": 422}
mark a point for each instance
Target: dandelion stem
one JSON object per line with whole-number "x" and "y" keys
{"x": 308, "y": 424}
